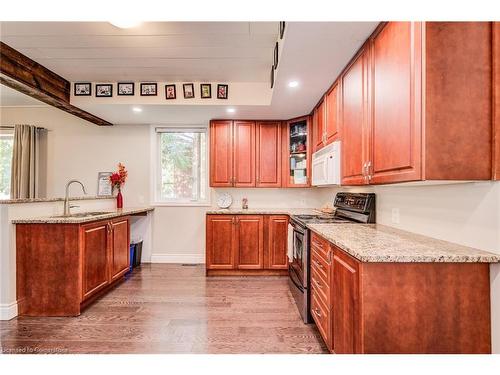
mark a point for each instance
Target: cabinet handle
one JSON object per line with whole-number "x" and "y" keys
{"x": 317, "y": 312}
{"x": 368, "y": 170}
{"x": 330, "y": 256}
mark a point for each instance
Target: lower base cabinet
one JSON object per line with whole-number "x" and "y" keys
{"x": 246, "y": 244}
{"x": 63, "y": 267}
{"x": 399, "y": 308}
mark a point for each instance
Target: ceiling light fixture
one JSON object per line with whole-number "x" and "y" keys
{"x": 125, "y": 23}
{"x": 293, "y": 84}
{"x": 231, "y": 110}
{"x": 137, "y": 109}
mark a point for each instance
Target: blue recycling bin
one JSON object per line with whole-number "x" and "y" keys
{"x": 132, "y": 257}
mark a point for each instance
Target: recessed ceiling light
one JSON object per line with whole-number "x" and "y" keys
{"x": 125, "y": 23}
{"x": 137, "y": 109}
{"x": 231, "y": 110}
{"x": 293, "y": 84}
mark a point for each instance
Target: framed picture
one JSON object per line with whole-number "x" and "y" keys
{"x": 83, "y": 89}
{"x": 222, "y": 91}
{"x": 126, "y": 88}
{"x": 104, "y": 188}
{"x": 104, "y": 90}
{"x": 276, "y": 55}
{"x": 272, "y": 76}
{"x": 206, "y": 90}
{"x": 188, "y": 90}
{"x": 170, "y": 92}
{"x": 282, "y": 29}
{"x": 149, "y": 89}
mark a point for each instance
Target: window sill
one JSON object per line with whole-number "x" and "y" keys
{"x": 181, "y": 204}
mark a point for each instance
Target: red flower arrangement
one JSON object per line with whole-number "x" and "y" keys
{"x": 117, "y": 180}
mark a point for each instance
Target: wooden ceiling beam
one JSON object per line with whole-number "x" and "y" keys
{"x": 29, "y": 77}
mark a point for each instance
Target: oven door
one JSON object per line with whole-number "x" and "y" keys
{"x": 299, "y": 254}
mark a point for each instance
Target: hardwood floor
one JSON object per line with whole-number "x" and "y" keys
{"x": 166, "y": 308}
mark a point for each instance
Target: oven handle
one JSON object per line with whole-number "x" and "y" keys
{"x": 291, "y": 273}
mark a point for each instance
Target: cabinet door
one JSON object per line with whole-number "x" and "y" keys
{"x": 320, "y": 139}
{"x": 250, "y": 242}
{"x": 95, "y": 270}
{"x": 244, "y": 154}
{"x": 220, "y": 242}
{"x": 221, "y": 153}
{"x": 355, "y": 134}
{"x": 277, "y": 242}
{"x": 332, "y": 112}
{"x": 345, "y": 304}
{"x": 396, "y": 102}
{"x": 268, "y": 164}
{"x": 316, "y": 132}
{"x": 120, "y": 248}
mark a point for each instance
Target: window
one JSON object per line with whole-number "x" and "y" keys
{"x": 181, "y": 176}
{"x": 6, "y": 146}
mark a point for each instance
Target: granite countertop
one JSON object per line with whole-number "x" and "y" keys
{"x": 380, "y": 243}
{"x": 41, "y": 200}
{"x": 110, "y": 214}
{"x": 263, "y": 211}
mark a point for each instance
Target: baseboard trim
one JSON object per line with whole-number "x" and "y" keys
{"x": 178, "y": 258}
{"x": 8, "y": 311}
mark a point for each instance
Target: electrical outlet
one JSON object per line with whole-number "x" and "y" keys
{"x": 302, "y": 203}
{"x": 395, "y": 216}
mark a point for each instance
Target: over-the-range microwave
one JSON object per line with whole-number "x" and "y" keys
{"x": 326, "y": 165}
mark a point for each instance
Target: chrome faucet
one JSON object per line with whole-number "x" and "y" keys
{"x": 66, "y": 198}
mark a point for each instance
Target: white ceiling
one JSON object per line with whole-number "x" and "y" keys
{"x": 163, "y": 51}
{"x": 314, "y": 53}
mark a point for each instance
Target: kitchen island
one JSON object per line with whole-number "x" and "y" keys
{"x": 66, "y": 262}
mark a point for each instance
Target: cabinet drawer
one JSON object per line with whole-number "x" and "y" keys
{"x": 320, "y": 266}
{"x": 320, "y": 287}
{"x": 321, "y": 316}
{"x": 320, "y": 246}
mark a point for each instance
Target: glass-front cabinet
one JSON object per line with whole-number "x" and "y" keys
{"x": 298, "y": 148}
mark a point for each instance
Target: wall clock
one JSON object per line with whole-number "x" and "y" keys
{"x": 224, "y": 200}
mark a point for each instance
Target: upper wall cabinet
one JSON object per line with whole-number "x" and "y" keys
{"x": 355, "y": 132}
{"x": 320, "y": 126}
{"x": 221, "y": 153}
{"x": 268, "y": 165}
{"x": 428, "y": 111}
{"x": 332, "y": 114}
{"x": 297, "y": 153}
{"x": 245, "y": 153}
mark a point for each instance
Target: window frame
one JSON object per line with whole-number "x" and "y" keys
{"x": 156, "y": 166}
{"x": 7, "y": 133}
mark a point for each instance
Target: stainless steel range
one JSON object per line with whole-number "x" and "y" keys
{"x": 350, "y": 208}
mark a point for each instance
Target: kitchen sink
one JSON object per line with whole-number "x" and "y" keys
{"x": 84, "y": 214}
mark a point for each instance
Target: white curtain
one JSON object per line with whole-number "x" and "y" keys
{"x": 24, "y": 162}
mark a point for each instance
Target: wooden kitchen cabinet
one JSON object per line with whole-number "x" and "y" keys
{"x": 221, "y": 153}
{"x": 63, "y": 267}
{"x": 246, "y": 244}
{"x": 119, "y": 248}
{"x": 320, "y": 126}
{"x": 244, "y": 154}
{"x": 419, "y": 104}
{"x": 95, "y": 263}
{"x": 354, "y": 114}
{"x": 297, "y": 152}
{"x": 382, "y": 307}
{"x": 345, "y": 309}
{"x": 249, "y": 242}
{"x": 277, "y": 242}
{"x": 268, "y": 163}
{"x": 332, "y": 114}
{"x": 220, "y": 242}
{"x": 496, "y": 100}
